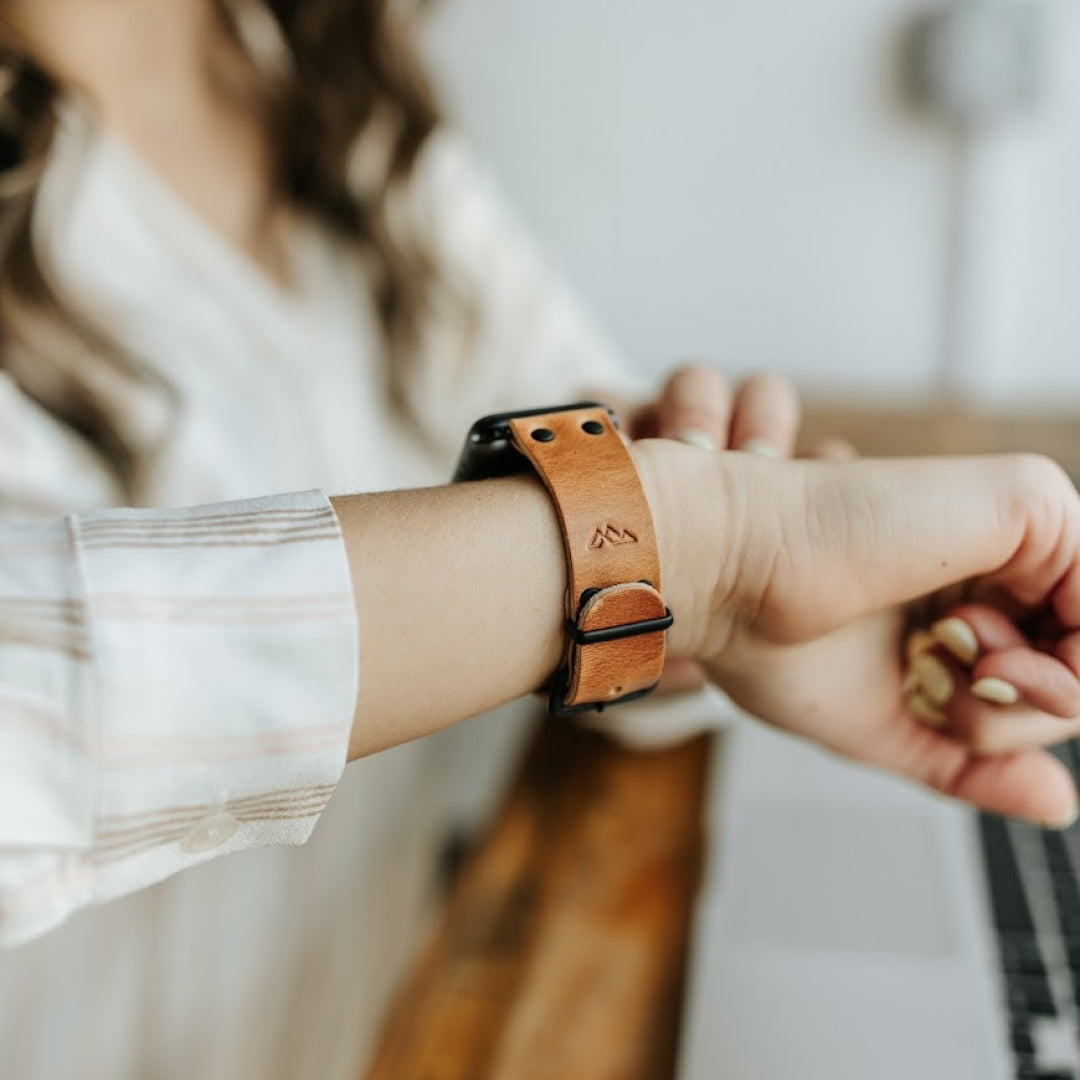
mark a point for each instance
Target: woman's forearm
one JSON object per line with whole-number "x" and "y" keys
{"x": 786, "y": 579}
{"x": 460, "y": 598}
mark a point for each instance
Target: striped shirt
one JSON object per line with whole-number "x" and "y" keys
{"x": 126, "y": 753}
{"x": 178, "y": 684}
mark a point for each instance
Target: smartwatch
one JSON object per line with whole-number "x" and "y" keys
{"x": 615, "y": 614}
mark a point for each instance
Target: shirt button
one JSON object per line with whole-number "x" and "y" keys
{"x": 209, "y": 833}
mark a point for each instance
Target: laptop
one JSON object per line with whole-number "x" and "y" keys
{"x": 853, "y": 927}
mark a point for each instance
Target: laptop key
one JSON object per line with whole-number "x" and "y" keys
{"x": 1026, "y": 987}
{"x": 1020, "y": 948}
{"x": 1009, "y": 903}
{"x": 1029, "y": 997}
{"x": 1072, "y": 950}
{"x": 1022, "y": 1043}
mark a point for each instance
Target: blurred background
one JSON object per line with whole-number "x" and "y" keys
{"x": 879, "y": 199}
{"x": 880, "y": 203}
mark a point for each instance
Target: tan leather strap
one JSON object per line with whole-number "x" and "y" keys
{"x": 616, "y": 616}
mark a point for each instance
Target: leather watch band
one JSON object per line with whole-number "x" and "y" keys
{"x": 616, "y": 616}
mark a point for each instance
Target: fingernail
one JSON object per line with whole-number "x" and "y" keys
{"x": 958, "y": 637}
{"x": 997, "y": 691}
{"x": 761, "y": 447}
{"x": 918, "y": 642}
{"x": 1066, "y": 821}
{"x": 696, "y": 437}
{"x": 934, "y": 676}
{"x": 923, "y": 709}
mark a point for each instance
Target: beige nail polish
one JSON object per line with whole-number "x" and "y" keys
{"x": 923, "y": 709}
{"x": 997, "y": 691}
{"x": 934, "y": 676}
{"x": 696, "y": 437}
{"x": 958, "y": 637}
{"x": 1065, "y": 822}
{"x": 918, "y": 642}
{"x": 761, "y": 447}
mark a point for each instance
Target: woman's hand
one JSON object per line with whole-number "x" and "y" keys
{"x": 1000, "y": 683}
{"x": 789, "y": 581}
{"x": 697, "y": 405}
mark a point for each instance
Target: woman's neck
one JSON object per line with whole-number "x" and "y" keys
{"x": 108, "y": 48}
{"x": 167, "y": 78}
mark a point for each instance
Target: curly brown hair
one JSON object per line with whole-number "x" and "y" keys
{"x": 338, "y": 83}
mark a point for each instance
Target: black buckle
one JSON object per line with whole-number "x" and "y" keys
{"x": 617, "y": 633}
{"x": 560, "y": 682}
{"x": 559, "y": 686}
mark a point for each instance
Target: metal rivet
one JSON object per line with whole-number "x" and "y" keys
{"x": 543, "y": 434}
{"x": 593, "y": 427}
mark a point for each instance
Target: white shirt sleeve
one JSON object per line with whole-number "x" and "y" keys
{"x": 174, "y": 685}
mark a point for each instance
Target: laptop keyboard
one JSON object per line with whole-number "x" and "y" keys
{"x": 1035, "y": 902}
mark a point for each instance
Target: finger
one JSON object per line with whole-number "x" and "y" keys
{"x": 832, "y": 450}
{"x": 995, "y": 729}
{"x": 936, "y": 675}
{"x": 1043, "y": 681}
{"x": 969, "y": 630}
{"x": 1001, "y": 721}
{"x": 959, "y": 637}
{"x": 765, "y": 416}
{"x": 695, "y": 406}
{"x": 990, "y": 729}
{"x": 1028, "y": 784}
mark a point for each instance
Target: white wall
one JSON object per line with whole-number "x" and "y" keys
{"x": 741, "y": 181}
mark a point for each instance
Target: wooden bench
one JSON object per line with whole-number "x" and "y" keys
{"x": 562, "y": 948}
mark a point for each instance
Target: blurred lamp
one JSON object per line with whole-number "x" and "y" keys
{"x": 978, "y": 62}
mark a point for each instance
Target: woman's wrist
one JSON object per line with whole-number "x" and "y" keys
{"x": 695, "y": 502}
{"x": 460, "y": 590}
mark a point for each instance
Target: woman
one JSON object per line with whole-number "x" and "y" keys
{"x": 242, "y": 256}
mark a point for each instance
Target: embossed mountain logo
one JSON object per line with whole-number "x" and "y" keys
{"x": 608, "y": 534}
